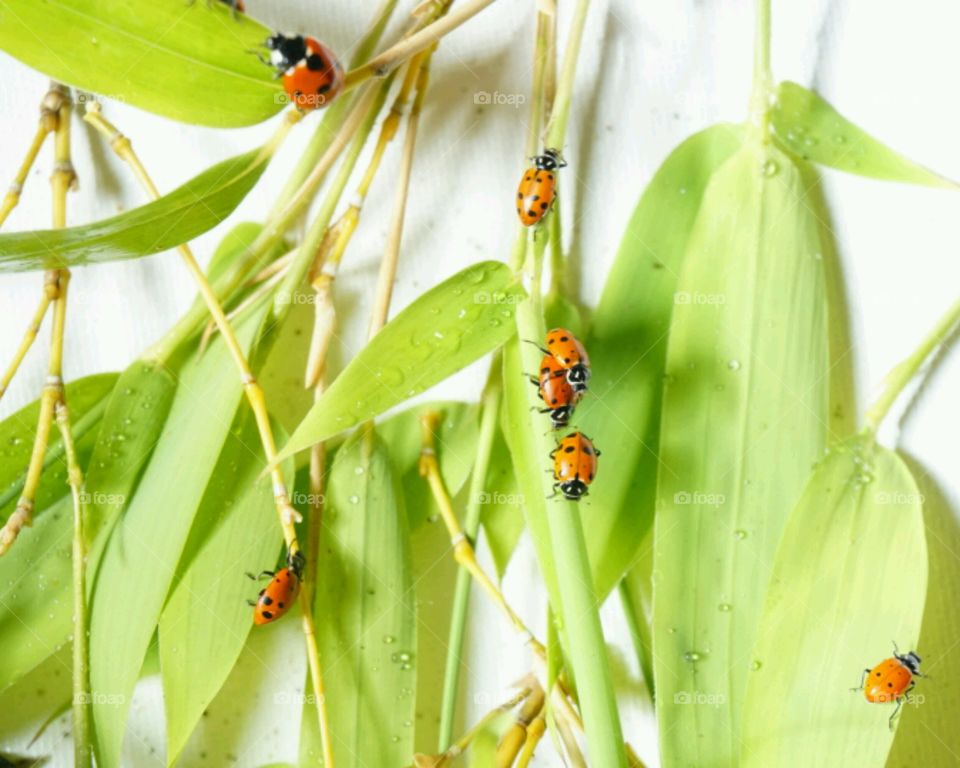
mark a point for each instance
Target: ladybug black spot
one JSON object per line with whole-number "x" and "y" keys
{"x": 564, "y": 338}
{"x": 531, "y": 212}
{"x": 543, "y": 206}
{"x": 569, "y": 449}
{"x": 554, "y": 401}
{"x": 567, "y": 360}
{"x": 519, "y": 195}
{"x": 267, "y": 615}
{"x": 878, "y": 674}
{"x": 267, "y": 600}
{"x": 587, "y": 450}
{"x": 279, "y": 605}
{"x": 550, "y": 176}
{"x": 889, "y": 685}
{"x": 591, "y": 477}
{"x": 527, "y": 177}
{"x": 324, "y": 88}
{"x": 316, "y": 63}
{"x": 535, "y": 197}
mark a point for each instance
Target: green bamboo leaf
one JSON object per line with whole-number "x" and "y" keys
{"x": 206, "y": 620}
{"x": 811, "y": 128}
{"x": 141, "y": 556}
{"x": 500, "y": 514}
{"x": 745, "y": 413}
{"x": 839, "y": 594}
{"x": 366, "y": 612}
{"x": 456, "y": 439}
{"x": 87, "y": 398}
{"x": 628, "y": 346}
{"x": 177, "y": 217}
{"x": 444, "y": 330}
{"x": 191, "y": 62}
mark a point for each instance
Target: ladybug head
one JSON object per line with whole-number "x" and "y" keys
{"x": 910, "y": 660}
{"x": 560, "y": 417}
{"x": 550, "y": 160}
{"x": 573, "y": 489}
{"x": 286, "y": 50}
{"x": 578, "y": 376}
{"x": 295, "y": 562}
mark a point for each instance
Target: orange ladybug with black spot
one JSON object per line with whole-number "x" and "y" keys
{"x": 571, "y": 355}
{"x": 891, "y": 680}
{"x": 312, "y": 75}
{"x": 559, "y": 397}
{"x": 574, "y": 465}
{"x": 538, "y": 187}
{"x": 281, "y": 593}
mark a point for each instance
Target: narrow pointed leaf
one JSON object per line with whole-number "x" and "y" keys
{"x": 745, "y": 410}
{"x": 850, "y": 577}
{"x": 177, "y": 217}
{"x": 367, "y": 626}
{"x": 812, "y": 129}
{"x": 628, "y": 344}
{"x": 141, "y": 557}
{"x": 446, "y": 329}
{"x": 189, "y": 61}
{"x": 206, "y": 620}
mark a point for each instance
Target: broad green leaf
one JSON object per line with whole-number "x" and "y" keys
{"x": 366, "y": 613}
{"x": 206, "y": 619}
{"x": 745, "y": 412}
{"x": 444, "y": 330}
{"x": 809, "y": 127}
{"x": 501, "y": 513}
{"x": 141, "y": 556}
{"x": 455, "y": 439}
{"x": 915, "y": 743}
{"x": 628, "y": 345}
{"x": 133, "y": 420}
{"x": 191, "y": 62}
{"x": 86, "y": 398}
{"x": 849, "y": 577}
{"x": 177, "y": 217}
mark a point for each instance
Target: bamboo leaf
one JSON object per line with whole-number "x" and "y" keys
{"x": 628, "y": 345}
{"x": 809, "y": 127}
{"x": 745, "y": 413}
{"x": 366, "y": 614}
{"x": 144, "y": 549}
{"x": 177, "y": 217}
{"x": 191, "y": 62}
{"x": 444, "y": 330}
{"x": 206, "y": 620}
{"x": 501, "y": 514}
{"x": 839, "y": 594}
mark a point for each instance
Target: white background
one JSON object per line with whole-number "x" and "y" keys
{"x": 651, "y": 74}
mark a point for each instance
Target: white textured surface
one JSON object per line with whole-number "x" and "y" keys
{"x": 651, "y": 74}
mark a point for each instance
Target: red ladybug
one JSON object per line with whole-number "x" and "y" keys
{"x": 281, "y": 593}
{"x": 571, "y": 355}
{"x": 312, "y": 75}
{"x": 538, "y": 185}
{"x": 891, "y": 680}
{"x": 574, "y": 465}
{"x": 556, "y": 392}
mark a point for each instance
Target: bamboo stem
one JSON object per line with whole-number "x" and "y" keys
{"x": 47, "y": 125}
{"x": 390, "y": 59}
{"x": 517, "y": 734}
{"x": 762, "y": 78}
{"x": 122, "y": 146}
{"x": 489, "y": 418}
{"x": 557, "y": 127}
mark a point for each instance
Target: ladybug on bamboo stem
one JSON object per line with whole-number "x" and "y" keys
{"x": 891, "y": 680}
{"x": 538, "y": 185}
{"x": 281, "y": 593}
{"x": 570, "y": 355}
{"x": 312, "y": 75}
{"x": 574, "y": 465}
{"x": 558, "y": 395}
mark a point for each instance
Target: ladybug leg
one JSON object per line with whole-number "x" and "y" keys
{"x": 863, "y": 679}
{"x": 260, "y": 575}
{"x": 252, "y": 603}
{"x": 542, "y": 349}
{"x": 896, "y": 711}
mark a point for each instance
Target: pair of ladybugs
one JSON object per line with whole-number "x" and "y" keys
{"x": 891, "y": 680}
{"x": 280, "y": 594}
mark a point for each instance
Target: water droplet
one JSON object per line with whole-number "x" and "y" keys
{"x": 16, "y": 441}
{"x": 818, "y": 256}
{"x": 740, "y": 534}
{"x": 838, "y": 139}
{"x": 407, "y": 723}
{"x": 388, "y": 639}
{"x": 770, "y": 168}
{"x": 462, "y": 314}
{"x": 724, "y": 607}
{"x": 406, "y": 667}
{"x": 672, "y": 631}
{"x": 128, "y": 391}
{"x": 506, "y": 312}
{"x": 756, "y": 665}
{"x": 493, "y": 322}
{"x": 811, "y": 141}
{"x": 354, "y": 499}
{"x": 433, "y": 518}
{"x": 358, "y": 470}
{"x": 434, "y": 310}
{"x": 692, "y": 657}
{"x": 394, "y": 739}
{"x": 733, "y": 365}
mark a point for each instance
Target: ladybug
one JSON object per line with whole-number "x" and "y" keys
{"x": 537, "y": 188}
{"x": 571, "y": 355}
{"x": 556, "y": 392}
{"x": 891, "y": 680}
{"x": 237, "y": 5}
{"x": 312, "y": 75}
{"x": 281, "y": 593}
{"x": 574, "y": 465}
